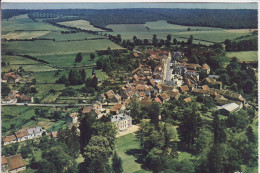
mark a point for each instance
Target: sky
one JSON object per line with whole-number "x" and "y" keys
{"x": 128, "y": 5}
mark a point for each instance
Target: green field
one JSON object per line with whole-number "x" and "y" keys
{"x": 162, "y": 29}
{"x": 29, "y": 68}
{"x": 46, "y": 47}
{"x": 17, "y": 60}
{"x": 22, "y": 22}
{"x": 128, "y": 148}
{"x": 247, "y": 56}
{"x": 72, "y": 36}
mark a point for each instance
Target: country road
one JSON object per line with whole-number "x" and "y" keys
{"x": 50, "y": 104}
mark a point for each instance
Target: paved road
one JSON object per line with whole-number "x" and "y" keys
{"x": 47, "y": 105}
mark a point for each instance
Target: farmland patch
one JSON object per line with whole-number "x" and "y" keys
{"x": 82, "y": 24}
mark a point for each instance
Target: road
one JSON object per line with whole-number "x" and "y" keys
{"x": 50, "y": 104}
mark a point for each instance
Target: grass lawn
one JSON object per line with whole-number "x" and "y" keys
{"x": 128, "y": 148}
{"x": 47, "y": 47}
{"x": 247, "y": 56}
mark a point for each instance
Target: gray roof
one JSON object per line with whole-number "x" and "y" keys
{"x": 34, "y": 130}
{"x": 120, "y": 117}
{"x": 230, "y": 107}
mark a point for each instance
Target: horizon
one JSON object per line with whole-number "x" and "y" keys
{"x": 123, "y": 5}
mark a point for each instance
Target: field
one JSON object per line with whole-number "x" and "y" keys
{"x": 162, "y": 29}
{"x": 29, "y": 68}
{"x": 23, "y": 22}
{"x": 72, "y": 36}
{"x": 128, "y": 148}
{"x": 247, "y": 56}
{"x": 46, "y": 47}
{"x": 82, "y": 24}
{"x": 17, "y": 60}
{"x": 24, "y": 35}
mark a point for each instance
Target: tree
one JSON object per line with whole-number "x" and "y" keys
{"x": 156, "y": 160}
{"x": 188, "y": 29}
{"x": 94, "y": 82}
{"x": 83, "y": 75}
{"x": 155, "y": 40}
{"x": 218, "y": 130}
{"x": 154, "y": 111}
{"x": 135, "y": 108}
{"x": 92, "y": 56}
{"x": 190, "y": 40}
{"x": 169, "y": 37}
{"x": 250, "y": 134}
{"x": 78, "y": 57}
{"x": 5, "y": 90}
{"x": 174, "y": 41}
{"x": 96, "y": 154}
{"x": 117, "y": 164}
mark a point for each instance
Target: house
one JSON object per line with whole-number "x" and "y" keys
{"x": 110, "y": 94}
{"x": 90, "y": 111}
{"x": 158, "y": 100}
{"x": 187, "y": 100}
{"x": 213, "y": 83}
{"x": 122, "y": 121}
{"x": 228, "y": 108}
{"x": 173, "y": 94}
{"x": 9, "y": 139}
{"x": 11, "y": 77}
{"x": 54, "y": 134}
{"x": 193, "y": 66}
{"x": 22, "y": 135}
{"x": 184, "y": 89}
{"x": 146, "y": 101}
{"x": 72, "y": 118}
{"x": 25, "y": 99}
{"x": 164, "y": 97}
{"x": 119, "y": 106}
{"x": 13, "y": 164}
{"x": 205, "y": 87}
{"x": 114, "y": 111}
{"x": 35, "y": 132}
{"x": 158, "y": 87}
{"x": 206, "y": 68}
{"x": 177, "y": 80}
{"x": 4, "y": 165}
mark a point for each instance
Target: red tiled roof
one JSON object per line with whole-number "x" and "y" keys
{"x": 73, "y": 115}
{"x": 9, "y": 138}
{"x": 164, "y": 96}
{"x": 118, "y": 106}
{"x": 205, "y": 67}
{"x": 187, "y": 100}
{"x": 87, "y": 109}
{"x": 159, "y": 86}
{"x": 21, "y": 133}
{"x": 4, "y": 161}
{"x": 184, "y": 88}
{"x": 110, "y": 94}
{"x": 158, "y": 100}
{"x": 141, "y": 94}
{"x": 113, "y": 109}
{"x": 140, "y": 87}
{"x": 25, "y": 98}
{"x": 205, "y": 87}
{"x": 15, "y": 162}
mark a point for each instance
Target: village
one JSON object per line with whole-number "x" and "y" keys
{"x": 169, "y": 78}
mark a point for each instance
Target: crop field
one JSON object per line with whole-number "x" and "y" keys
{"x": 23, "y": 22}
{"x": 247, "y": 56}
{"x": 72, "y": 36}
{"x": 82, "y": 24}
{"x": 46, "y": 47}
{"x": 162, "y": 29}
{"x": 24, "y": 34}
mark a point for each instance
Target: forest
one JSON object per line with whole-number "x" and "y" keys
{"x": 240, "y": 18}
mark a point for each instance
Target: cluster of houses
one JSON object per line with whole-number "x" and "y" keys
{"x": 11, "y": 78}
{"x": 12, "y": 164}
{"x": 15, "y": 97}
{"x": 22, "y": 135}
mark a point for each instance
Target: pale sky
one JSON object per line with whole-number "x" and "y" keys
{"x": 128, "y": 5}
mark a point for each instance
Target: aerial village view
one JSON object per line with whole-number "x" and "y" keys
{"x": 129, "y": 88}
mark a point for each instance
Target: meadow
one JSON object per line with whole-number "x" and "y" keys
{"x": 24, "y": 34}
{"x": 162, "y": 29}
{"x": 72, "y": 36}
{"x": 23, "y": 22}
{"x": 46, "y": 47}
{"x": 17, "y": 60}
{"x": 247, "y": 56}
{"x": 82, "y": 24}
